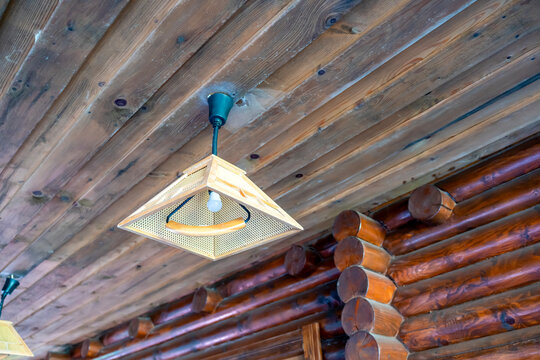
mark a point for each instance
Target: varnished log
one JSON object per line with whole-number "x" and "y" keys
{"x": 282, "y": 346}
{"x": 523, "y": 350}
{"x": 472, "y": 181}
{"x": 430, "y": 204}
{"x": 353, "y": 223}
{"x": 140, "y": 327}
{"x": 76, "y": 352}
{"x": 301, "y": 260}
{"x": 90, "y": 348}
{"x": 57, "y": 356}
{"x": 355, "y": 251}
{"x": 494, "y": 171}
{"x": 205, "y": 299}
{"x": 311, "y": 341}
{"x": 364, "y": 345}
{"x": 484, "y": 343}
{"x": 117, "y": 335}
{"x": 518, "y": 268}
{"x": 361, "y": 314}
{"x": 394, "y": 215}
{"x": 267, "y": 271}
{"x": 513, "y": 232}
{"x": 251, "y": 340}
{"x": 319, "y": 300}
{"x": 172, "y": 311}
{"x": 334, "y": 349}
{"x": 270, "y": 292}
{"x": 495, "y": 314}
{"x": 503, "y": 200}
{"x": 357, "y": 281}
{"x": 331, "y": 326}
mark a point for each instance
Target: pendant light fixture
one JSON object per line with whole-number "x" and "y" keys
{"x": 11, "y": 342}
{"x": 213, "y": 209}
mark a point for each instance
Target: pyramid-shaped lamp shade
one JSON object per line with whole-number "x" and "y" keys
{"x": 182, "y": 216}
{"x": 11, "y": 342}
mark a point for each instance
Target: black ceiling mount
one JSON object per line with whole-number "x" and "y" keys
{"x": 9, "y": 286}
{"x": 219, "y": 106}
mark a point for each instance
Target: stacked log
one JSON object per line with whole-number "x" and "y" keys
{"x": 494, "y": 171}
{"x": 367, "y": 318}
{"x": 468, "y": 283}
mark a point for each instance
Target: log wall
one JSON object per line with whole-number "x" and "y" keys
{"x": 468, "y": 286}
{"x": 451, "y": 272}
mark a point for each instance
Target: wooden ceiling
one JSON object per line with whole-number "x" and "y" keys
{"x": 339, "y": 104}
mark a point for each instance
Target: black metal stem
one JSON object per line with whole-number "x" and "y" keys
{"x": 214, "y": 140}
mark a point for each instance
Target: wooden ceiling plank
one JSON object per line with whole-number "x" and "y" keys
{"x": 415, "y": 21}
{"x": 60, "y": 50}
{"x": 381, "y": 147}
{"x": 163, "y": 133}
{"x": 435, "y": 95}
{"x": 102, "y": 226}
{"x": 384, "y": 147}
{"x": 160, "y": 271}
{"x": 116, "y": 104}
{"x": 142, "y": 256}
{"x": 495, "y": 131}
{"x": 338, "y": 120}
{"x": 84, "y": 264}
{"x": 134, "y": 26}
{"x": 354, "y": 25}
{"x": 20, "y": 26}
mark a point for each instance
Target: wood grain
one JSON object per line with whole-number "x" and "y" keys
{"x": 311, "y": 341}
{"x": 514, "y": 309}
{"x": 512, "y": 232}
{"x": 355, "y": 251}
{"x": 492, "y": 276}
{"x": 361, "y": 314}
{"x": 357, "y": 281}
{"x": 503, "y": 200}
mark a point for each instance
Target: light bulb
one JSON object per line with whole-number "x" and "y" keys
{"x": 214, "y": 202}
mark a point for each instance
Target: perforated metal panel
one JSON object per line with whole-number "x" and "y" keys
{"x": 267, "y": 222}
{"x": 10, "y": 341}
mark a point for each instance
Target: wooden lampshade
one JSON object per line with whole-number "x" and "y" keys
{"x": 10, "y": 341}
{"x": 248, "y": 216}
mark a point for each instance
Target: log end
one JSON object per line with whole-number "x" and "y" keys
{"x": 352, "y": 282}
{"x": 357, "y": 315}
{"x": 352, "y": 223}
{"x": 349, "y": 251}
{"x": 364, "y": 345}
{"x": 430, "y": 204}
{"x": 140, "y": 327}
{"x": 301, "y": 261}
{"x": 205, "y": 299}
{"x": 346, "y": 224}
{"x": 90, "y": 348}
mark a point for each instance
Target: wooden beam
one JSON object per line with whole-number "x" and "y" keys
{"x": 312, "y": 341}
{"x": 301, "y": 261}
{"x": 353, "y": 223}
{"x": 364, "y": 345}
{"x": 355, "y": 251}
{"x": 512, "y": 196}
{"x": 510, "y": 233}
{"x": 361, "y": 314}
{"x": 357, "y": 281}
{"x": 430, "y": 204}
{"x": 481, "y": 344}
{"x": 495, "y": 314}
{"x": 491, "y": 276}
